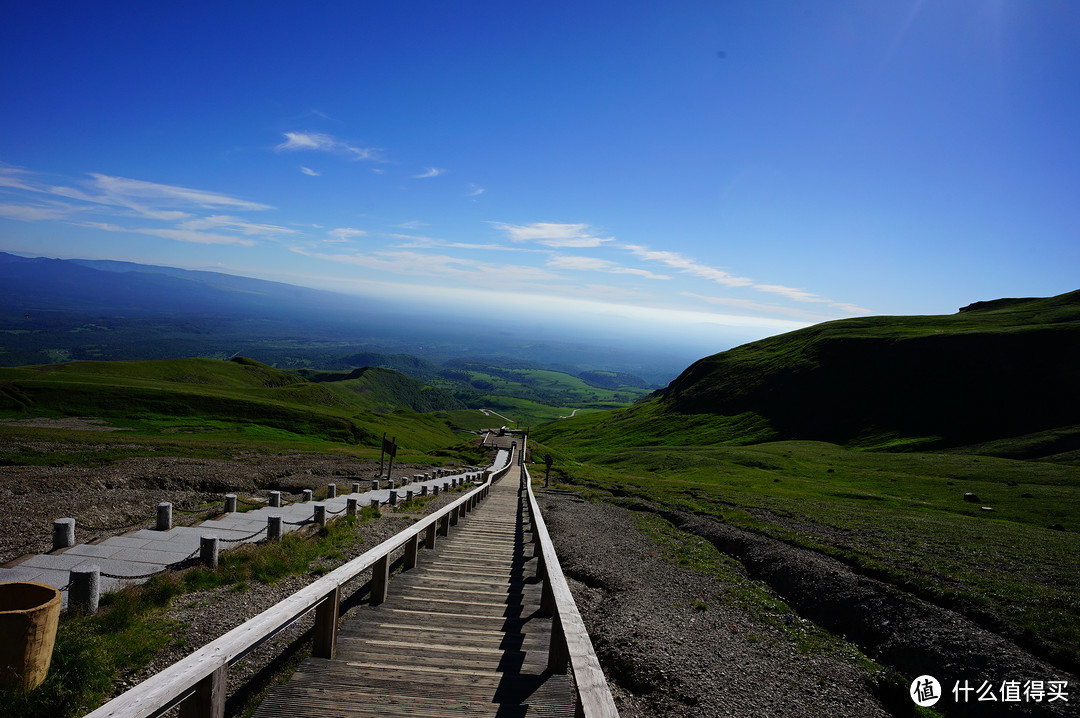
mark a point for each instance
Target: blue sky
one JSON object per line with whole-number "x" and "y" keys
{"x": 728, "y": 170}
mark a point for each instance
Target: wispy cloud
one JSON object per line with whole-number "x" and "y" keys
{"x": 179, "y": 235}
{"x": 429, "y": 172}
{"x": 344, "y": 234}
{"x": 414, "y": 264}
{"x": 322, "y": 142}
{"x": 310, "y": 172}
{"x": 236, "y": 224}
{"x": 750, "y": 305}
{"x": 551, "y": 234}
{"x": 688, "y": 266}
{"x": 415, "y": 241}
{"x": 474, "y": 190}
{"x": 122, "y": 188}
{"x": 595, "y": 264}
{"x": 35, "y": 212}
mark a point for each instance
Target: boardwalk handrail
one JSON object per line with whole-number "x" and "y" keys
{"x": 199, "y": 681}
{"x": 570, "y": 642}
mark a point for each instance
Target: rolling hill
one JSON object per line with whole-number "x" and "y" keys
{"x": 989, "y": 374}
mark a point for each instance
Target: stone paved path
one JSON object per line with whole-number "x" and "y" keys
{"x": 145, "y": 551}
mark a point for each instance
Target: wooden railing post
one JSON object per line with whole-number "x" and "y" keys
{"x": 558, "y": 652}
{"x": 429, "y": 539}
{"x": 326, "y": 618}
{"x": 208, "y": 700}
{"x": 412, "y": 548}
{"x": 380, "y": 580}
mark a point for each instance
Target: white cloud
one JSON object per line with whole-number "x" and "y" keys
{"x": 412, "y": 264}
{"x": 236, "y": 224}
{"x": 310, "y": 172}
{"x": 119, "y": 189}
{"x": 851, "y": 309}
{"x": 344, "y": 234}
{"x": 594, "y": 264}
{"x": 688, "y": 266}
{"x": 552, "y": 234}
{"x": 799, "y": 295}
{"x": 429, "y": 172}
{"x": 35, "y": 212}
{"x": 179, "y": 235}
{"x": 322, "y": 142}
{"x": 475, "y": 190}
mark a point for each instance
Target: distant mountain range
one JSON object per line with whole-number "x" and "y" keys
{"x": 63, "y": 309}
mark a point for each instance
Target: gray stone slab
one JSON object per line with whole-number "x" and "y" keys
{"x": 125, "y": 541}
{"x": 123, "y": 568}
{"x": 241, "y": 525}
{"x": 103, "y": 550}
{"x": 147, "y": 556}
{"x": 56, "y": 562}
{"x": 22, "y": 573}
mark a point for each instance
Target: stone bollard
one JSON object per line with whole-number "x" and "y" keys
{"x": 423, "y": 490}
{"x": 273, "y": 528}
{"x": 374, "y": 484}
{"x": 375, "y": 503}
{"x": 390, "y": 484}
{"x": 331, "y": 491}
{"x": 63, "y": 533}
{"x": 208, "y": 551}
{"x": 230, "y": 503}
{"x": 275, "y": 499}
{"x": 417, "y": 478}
{"x": 350, "y": 506}
{"x": 393, "y": 498}
{"x": 308, "y": 495}
{"x": 435, "y": 490}
{"x": 453, "y": 483}
{"x": 320, "y": 514}
{"x": 410, "y": 495}
{"x": 356, "y": 487}
{"x": 164, "y": 516}
{"x": 85, "y": 589}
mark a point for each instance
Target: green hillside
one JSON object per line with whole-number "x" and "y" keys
{"x": 374, "y": 388}
{"x": 1002, "y": 370}
{"x": 229, "y": 400}
{"x": 940, "y": 455}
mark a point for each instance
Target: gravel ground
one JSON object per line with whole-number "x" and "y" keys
{"x": 667, "y": 657}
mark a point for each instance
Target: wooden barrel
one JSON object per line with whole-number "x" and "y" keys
{"x": 29, "y": 614}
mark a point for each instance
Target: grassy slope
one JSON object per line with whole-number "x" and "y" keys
{"x": 226, "y": 401}
{"x": 998, "y": 370}
{"x": 900, "y": 517}
{"x": 710, "y": 447}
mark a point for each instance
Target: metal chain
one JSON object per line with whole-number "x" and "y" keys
{"x": 88, "y": 527}
{"x": 335, "y": 513}
{"x": 298, "y": 523}
{"x": 242, "y": 538}
{"x": 168, "y": 567}
{"x": 142, "y": 575}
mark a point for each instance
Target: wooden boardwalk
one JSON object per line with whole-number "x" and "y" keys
{"x": 459, "y": 635}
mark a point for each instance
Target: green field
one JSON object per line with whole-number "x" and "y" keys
{"x": 900, "y": 517}
{"x": 195, "y": 406}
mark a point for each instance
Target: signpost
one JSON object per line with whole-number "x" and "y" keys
{"x": 388, "y": 447}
